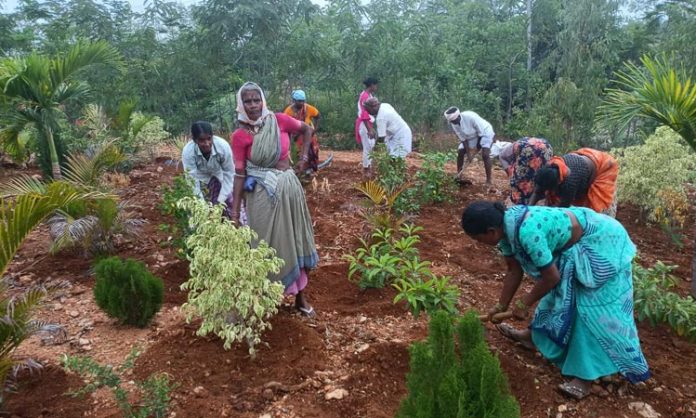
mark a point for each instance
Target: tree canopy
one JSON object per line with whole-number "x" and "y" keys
{"x": 532, "y": 67}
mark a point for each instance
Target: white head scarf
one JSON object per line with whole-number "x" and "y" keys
{"x": 499, "y": 147}
{"x": 241, "y": 113}
{"x": 453, "y": 115}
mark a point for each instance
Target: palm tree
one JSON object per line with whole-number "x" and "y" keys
{"x": 36, "y": 89}
{"x": 20, "y": 213}
{"x": 660, "y": 92}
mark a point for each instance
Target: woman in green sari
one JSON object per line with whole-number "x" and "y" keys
{"x": 581, "y": 264}
{"x": 275, "y": 202}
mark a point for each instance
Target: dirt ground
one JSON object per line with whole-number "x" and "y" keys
{"x": 359, "y": 341}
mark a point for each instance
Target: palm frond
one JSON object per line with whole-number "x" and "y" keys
{"x": 72, "y": 90}
{"x": 373, "y": 191}
{"x": 81, "y": 56}
{"x": 125, "y": 112}
{"x": 17, "y": 324}
{"x": 657, "y": 90}
{"x": 22, "y": 184}
{"x": 88, "y": 170}
{"x": 138, "y": 124}
{"x": 67, "y": 231}
{"x": 20, "y": 215}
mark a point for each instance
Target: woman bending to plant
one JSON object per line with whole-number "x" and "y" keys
{"x": 275, "y": 201}
{"x": 586, "y": 177}
{"x": 581, "y": 264}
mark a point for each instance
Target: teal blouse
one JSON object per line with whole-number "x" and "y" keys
{"x": 543, "y": 233}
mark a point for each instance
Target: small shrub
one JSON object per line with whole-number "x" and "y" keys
{"x": 154, "y": 391}
{"x": 449, "y": 380}
{"x": 432, "y": 182}
{"x": 654, "y": 301}
{"x": 392, "y": 174}
{"x": 150, "y": 135}
{"x": 229, "y": 287}
{"x": 126, "y": 290}
{"x": 652, "y": 176}
{"x": 379, "y": 263}
{"x": 424, "y": 291}
{"x": 181, "y": 187}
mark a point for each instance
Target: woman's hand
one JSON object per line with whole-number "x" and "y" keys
{"x": 498, "y": 308}
{"x": 371, "y": 132}
{"x": 520, "y": 310}
{"x": 301, "y": 166}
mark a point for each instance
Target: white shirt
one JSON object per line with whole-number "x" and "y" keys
{"x": 472, "y": 127}
{"x": 219, "y": 165}
{"x": 504, "y": 151}
{"x": 394, "y": 129}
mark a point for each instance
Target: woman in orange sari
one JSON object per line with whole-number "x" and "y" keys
{"x": 586, "y": 177}
{"x": 300, "y": 110}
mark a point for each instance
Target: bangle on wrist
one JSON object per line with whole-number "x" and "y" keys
{"x": 304, "y": 158}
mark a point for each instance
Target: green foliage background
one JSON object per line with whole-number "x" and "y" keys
{"x": 185, "y": 63}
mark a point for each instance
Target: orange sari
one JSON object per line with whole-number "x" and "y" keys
{"x": 603, "y": 189}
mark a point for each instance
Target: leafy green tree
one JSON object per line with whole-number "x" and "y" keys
{"x": 660, "y": 91}
{"x": 38, "y": 88}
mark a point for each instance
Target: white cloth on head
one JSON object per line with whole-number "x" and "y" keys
{"x": 368, "y": 145}
{"x": 472, "y": 128}
{"x": 503, "y": 151}
{"x": 241, "y": 113}
{"x": 396, "y": 132}
{"x": 452, "y": 116}
{"x": 219, "y": 164}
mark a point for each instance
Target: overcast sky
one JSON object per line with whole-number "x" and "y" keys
{"x": 137, "y": 5}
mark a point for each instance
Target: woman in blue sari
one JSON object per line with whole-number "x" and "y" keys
{"x": 581, "y": 264}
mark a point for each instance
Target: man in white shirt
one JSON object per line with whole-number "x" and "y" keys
{"x": 474, "y": 133}
{"x": 391, "y": 128}
{"x": 208, "y": 162}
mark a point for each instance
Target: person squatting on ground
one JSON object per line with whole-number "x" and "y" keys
{"x": 208, "y": 161}
{"x": 275, "y": 201}
{"x": 364, "y": 125}
{"x": 474, "y": 133}
{"x": 521, "y": 160}
{"x": 586, "y": 177}
{"x": 581, "y": 264}
{"x": 391, "y": 128}
{"x": 300, "y": 110}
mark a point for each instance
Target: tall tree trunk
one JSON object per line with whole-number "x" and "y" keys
{"x": 55, "y": 163}
{"x": 529, "y": 53}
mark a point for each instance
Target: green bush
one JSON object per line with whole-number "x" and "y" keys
{"x": 379, "y": 263}
{"x": 449, "y": 380}
{"x": 652, "y": 176}
{"x": 432, "y": 182}
{"x": 181, "y": 187}
{"x": 126, "y": 290}
{"x": 654, "y": 301}
{"x": 423, "y": 290}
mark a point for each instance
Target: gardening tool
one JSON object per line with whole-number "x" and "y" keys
{"x": 499, "y": 316}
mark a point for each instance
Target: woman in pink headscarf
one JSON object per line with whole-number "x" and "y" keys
{"x": 364, "y": 129}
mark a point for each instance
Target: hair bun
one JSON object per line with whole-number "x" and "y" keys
{"x": 500, "y": 206}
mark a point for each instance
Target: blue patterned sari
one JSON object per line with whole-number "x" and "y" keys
{"x": 585, "y": 324}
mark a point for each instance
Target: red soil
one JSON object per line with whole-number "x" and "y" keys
{"x": 359, "y": 342}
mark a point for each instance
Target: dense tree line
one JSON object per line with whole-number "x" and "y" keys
{"x": 531, "y": 67}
